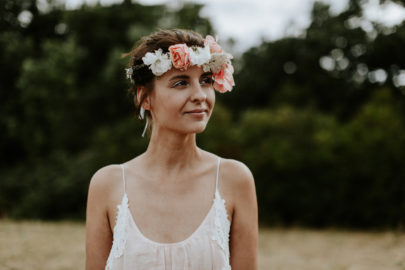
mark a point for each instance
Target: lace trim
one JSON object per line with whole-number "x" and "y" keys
{"x": 120, "y": 230}
{"x": 222, "y": 227}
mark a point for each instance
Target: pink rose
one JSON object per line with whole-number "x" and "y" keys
{"x": 224, "y": 79}
{"x": 214, "y": 47}
{"x": 180, "y": 56}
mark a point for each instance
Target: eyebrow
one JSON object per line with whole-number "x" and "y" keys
{"x": 179, "y": 77}
{"x": 188, "y": 77}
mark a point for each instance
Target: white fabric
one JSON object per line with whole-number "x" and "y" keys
{"x": 206, "y": 249}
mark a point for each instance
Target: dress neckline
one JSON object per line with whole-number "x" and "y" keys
{"x": 217, "y": 197}
{"x": 182, "y": 242}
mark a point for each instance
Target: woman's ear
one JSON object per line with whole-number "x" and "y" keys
{"x": 137, "y": 98}
{"x": 140, "y": 92}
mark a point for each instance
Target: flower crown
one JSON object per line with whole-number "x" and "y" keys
{"x": 211, "y": 58}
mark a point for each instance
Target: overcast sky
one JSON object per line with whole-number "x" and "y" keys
{"x": 250, "y": 21}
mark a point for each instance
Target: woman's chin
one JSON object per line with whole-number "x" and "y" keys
{"x": 196, "y": 128}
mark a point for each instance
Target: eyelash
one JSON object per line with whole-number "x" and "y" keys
{"x": 179, "y": 83}
{"x": 207, "y": 80}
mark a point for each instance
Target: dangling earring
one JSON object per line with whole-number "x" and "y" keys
{"x": 142, "y": 116}
{"x": 146, "y": 126}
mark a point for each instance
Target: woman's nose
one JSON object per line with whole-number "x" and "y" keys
{"x": 198, "y": 93}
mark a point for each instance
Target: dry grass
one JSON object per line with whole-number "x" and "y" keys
{"x": 299, "y": 249}
{"x": 41, "y": 245}
{"x": 45, "y": 245}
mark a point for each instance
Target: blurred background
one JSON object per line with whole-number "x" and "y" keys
{"x": 318, "y": 111}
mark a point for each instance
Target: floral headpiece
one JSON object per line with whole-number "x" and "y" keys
{"x": 211, "y": 58}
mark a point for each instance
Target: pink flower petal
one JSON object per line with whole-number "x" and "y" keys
{"x": 180, "y": 56}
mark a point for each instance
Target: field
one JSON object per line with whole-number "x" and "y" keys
{"x": 60, "y": 245}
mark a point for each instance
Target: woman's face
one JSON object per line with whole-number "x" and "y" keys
{"x": 182, "y": 101}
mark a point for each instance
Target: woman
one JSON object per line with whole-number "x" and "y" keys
{"x": 175, "y": 206}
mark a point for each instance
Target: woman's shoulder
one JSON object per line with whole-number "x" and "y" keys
{"x": 235, "y": 171}
{"x": 236, "y": 176}
{"x": 104, "y": 175}
{"x": 238, "y": 183}
{"x": 106, "y": 180}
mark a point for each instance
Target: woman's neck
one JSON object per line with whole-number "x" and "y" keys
{"x": 172, "y": 151}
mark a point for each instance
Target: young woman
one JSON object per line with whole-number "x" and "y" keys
{"x": 175, "y": 206}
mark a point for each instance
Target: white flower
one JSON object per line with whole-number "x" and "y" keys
{"x": 158, "y": 62}
{"x": 199, "y": 56}
{"x": 129, "y": 72}
{"x": 205, "y": 57}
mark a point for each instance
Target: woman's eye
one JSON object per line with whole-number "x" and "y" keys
{"x": 207, "y": 80}
{"x": 179, "y": 83}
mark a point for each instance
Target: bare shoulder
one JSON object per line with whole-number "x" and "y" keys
{"x": 244, "y": 222}
{"x": 103, "y": 188}
{"x": 239, "y": 185}
{"x": 236, "y": 173}
{"x": 105, "y": 176}
{"x": 105, "y": 183}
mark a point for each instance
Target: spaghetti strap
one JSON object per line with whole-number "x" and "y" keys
{"x": 216, "y": 183}
{"x": 123, "y": 175}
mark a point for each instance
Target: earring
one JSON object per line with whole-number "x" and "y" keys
{"x": 146, "y": 127}
{"x": 142, "y": 116}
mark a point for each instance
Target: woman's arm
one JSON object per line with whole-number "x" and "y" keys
{"x": 244, "y": 228}
{"x": 98, "y": 232}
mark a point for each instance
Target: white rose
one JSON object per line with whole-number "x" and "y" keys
{"x": 199, "y": 56}
{"x": 158, "y": 62}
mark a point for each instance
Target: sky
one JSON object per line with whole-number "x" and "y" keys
{"x": 249, "y": 22}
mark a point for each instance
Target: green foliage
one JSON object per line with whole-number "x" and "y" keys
{"x": 340, "y": 87}
{"x": 325, "y": 143}
{"x": 373, "y": 148}
{"x": 311, "y": 170}
{"x": 48, "y": 90}
{"x": 64, "y": 110}
{"x": 219, "y": 137}
{"x": 290, "y": 152}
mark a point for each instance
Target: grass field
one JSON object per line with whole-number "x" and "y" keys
{"x": 60, "y": 245}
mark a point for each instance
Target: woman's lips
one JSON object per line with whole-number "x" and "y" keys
{"x": 197, "y": 112}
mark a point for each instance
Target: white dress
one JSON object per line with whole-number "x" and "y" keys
{"x": 207, "y": 248}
